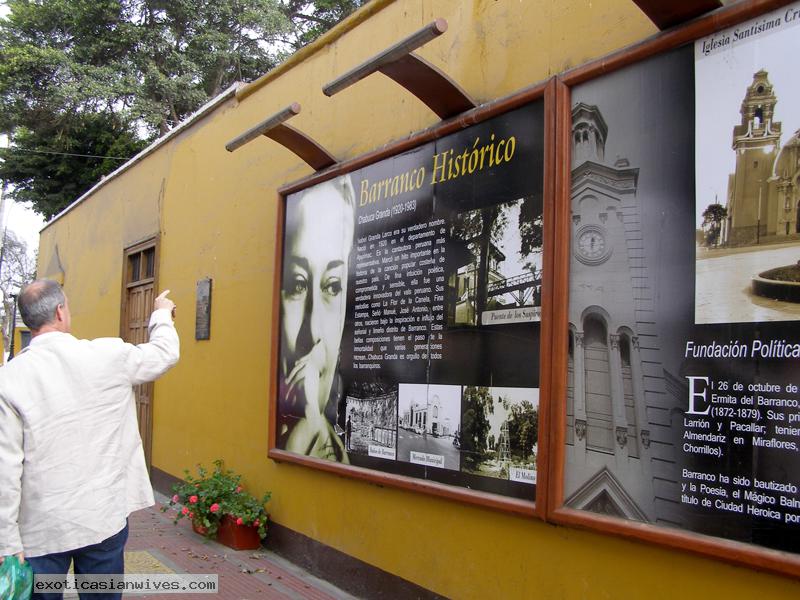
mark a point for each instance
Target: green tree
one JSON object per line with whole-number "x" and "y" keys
{"x": 531, "y": 226}
{"x": 475, "y": 424}
{"x": 713, "y": 217}
{"x": 312, "y": 19}
{"x": 523, "y": 429}
{"x": 81, "y": 150}
{"x": 70, "y": 69}
{"x": 187, "y": 51}
{"x": 482, "y": 229}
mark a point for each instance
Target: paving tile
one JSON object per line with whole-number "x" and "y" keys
{"x": 155, "y": 545}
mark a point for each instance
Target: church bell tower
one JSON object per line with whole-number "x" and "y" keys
{"x": 755, "y": 140}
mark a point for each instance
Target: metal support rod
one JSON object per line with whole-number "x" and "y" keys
{"x": 264, "y": 127}
{"x": 399, "y": 50}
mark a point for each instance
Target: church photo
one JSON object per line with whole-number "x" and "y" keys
{"x": 630, "y": 261}
{"x": 748, "y": 178}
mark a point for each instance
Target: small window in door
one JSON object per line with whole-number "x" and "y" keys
{"x": 141, "y": 265}
{"x": 134, "y": 265}
{"x": 149, "y": 262}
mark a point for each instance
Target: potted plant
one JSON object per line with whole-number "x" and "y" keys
{"x": 219, "y": 508}
{"x": 244, "y": 521}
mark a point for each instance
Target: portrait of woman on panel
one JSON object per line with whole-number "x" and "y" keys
{"x": 318, "y": 241}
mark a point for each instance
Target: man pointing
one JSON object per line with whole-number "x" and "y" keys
{"x": 72, "y": 466}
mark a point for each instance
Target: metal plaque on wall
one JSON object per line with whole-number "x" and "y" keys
{"x": 202, "y": 323}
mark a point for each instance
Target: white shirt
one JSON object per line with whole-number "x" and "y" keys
{"x": 72, "y": 466}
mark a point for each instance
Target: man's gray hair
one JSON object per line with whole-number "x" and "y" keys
{"x": 38, "y": 302}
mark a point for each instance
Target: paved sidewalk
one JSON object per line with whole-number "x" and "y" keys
{"x": 155, "y": 545}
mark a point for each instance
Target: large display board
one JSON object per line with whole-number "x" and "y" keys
{"x": 410, "y": 302}
{"x": 410, "y": 308}
{"x": 683, "y": 392}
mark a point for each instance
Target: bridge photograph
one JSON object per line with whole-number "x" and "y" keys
{"x": 501, "y": 268}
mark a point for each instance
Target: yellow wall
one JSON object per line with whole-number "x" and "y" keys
{"x": 84, "y": 248}
{"x": 217, "y": 220}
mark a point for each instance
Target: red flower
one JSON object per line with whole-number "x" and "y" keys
{"x": 192, "y": 499}
{"x": 184, "y": 511}
{"x": 175, "y": 498}
{"x": 239, "y": 521}
{"x": 256, "y": 523}
{"x": 238, "y": 489}
{"x": 214, "y": 507}
{"x": 191, "y": 515}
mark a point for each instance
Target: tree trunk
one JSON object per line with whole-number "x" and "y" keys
{"x": 488, "y": 216}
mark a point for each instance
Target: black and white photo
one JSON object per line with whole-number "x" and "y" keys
{"x": 371, "y": 420}
{"x": 630, "y": 287}
{"x": 498, "y": 278}
{"x": 499, "y": 434}
{"x": 429, "y": 418}
{"x": 318, "y": 242}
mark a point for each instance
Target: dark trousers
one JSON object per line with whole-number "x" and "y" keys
{"x": 106, "y": 557}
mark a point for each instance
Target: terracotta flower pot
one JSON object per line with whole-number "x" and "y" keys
{"x": 238, "y": 537}
{"x": 197, "y": 528}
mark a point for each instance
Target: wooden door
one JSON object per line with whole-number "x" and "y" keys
{"x": 137, "y": 304}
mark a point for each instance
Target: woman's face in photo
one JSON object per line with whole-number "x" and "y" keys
{"x": 314, "y": 288}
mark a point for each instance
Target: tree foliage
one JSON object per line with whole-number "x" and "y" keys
{"x": 713, "y": 216}
{"x": 531, "y": 226}
{"x": 105, "y": 77}
{"x": 312, "y": 19}
{"x": 17, "y": 268}
{"x": 475, "y": 424}
{"x": 190, "y": 50}
{"x": 52, "y": 179}
{"x": 523, "y": 429}
{"x": 482, "y": 228}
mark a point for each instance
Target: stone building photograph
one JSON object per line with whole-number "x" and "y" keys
{"x": 622, "y": 392}
{"x": 748, "y": 178}
{"x": 429, "y": 418}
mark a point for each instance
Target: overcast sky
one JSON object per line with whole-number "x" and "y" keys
{"x": 18, "y": 217}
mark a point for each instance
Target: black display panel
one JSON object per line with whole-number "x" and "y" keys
{"x": 683, "y": 406}
{"x": 410, "y": 310}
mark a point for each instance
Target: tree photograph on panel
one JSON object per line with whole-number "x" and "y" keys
{"x": 501, "y": 265}
{"x": 499, "y": 432}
